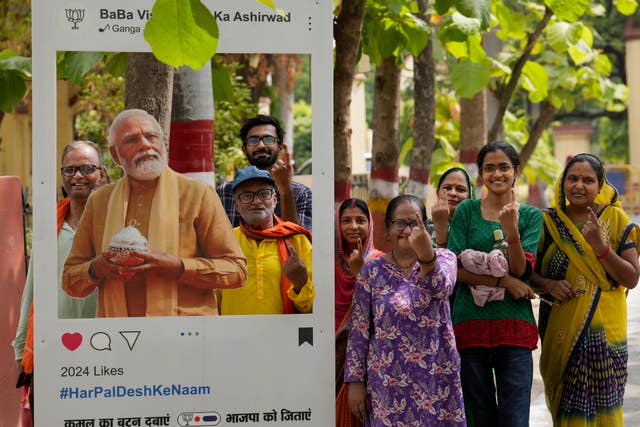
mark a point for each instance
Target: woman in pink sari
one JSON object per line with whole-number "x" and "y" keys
{"x": 353, "y": 247}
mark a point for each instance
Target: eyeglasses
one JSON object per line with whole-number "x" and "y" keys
{"x": 502, "y": 167}
{"x": 249, "y": 196}
{"x": 85, "y": 170}
{"x": 266, "y": 139}
{"x": 401, "y": 224}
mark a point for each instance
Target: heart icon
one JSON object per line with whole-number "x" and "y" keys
{"x": 71, "y": 341}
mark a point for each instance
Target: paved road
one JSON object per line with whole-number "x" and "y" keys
{"x": 540, "y": 415}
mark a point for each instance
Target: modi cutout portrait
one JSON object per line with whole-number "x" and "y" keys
{"x": 178, "y": 246}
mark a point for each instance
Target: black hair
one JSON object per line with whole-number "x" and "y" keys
{"x": 596, "y": 165}
{"x": 449, "y": 172}
{"x": 507, "y": 149}
{"x": 396, "y": 201}
{"x": 259, "y": 120}
{"x": 75, "y": 144}
{"x": 354, "y": 203}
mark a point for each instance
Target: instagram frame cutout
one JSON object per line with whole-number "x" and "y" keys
{"x": 205, "y": 370}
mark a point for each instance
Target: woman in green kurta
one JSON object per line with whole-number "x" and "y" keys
{"x": 588, "y": 260}
{"x": 498, "y": 337}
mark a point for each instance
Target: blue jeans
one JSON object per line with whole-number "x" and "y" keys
{"x": 513, "y": 368}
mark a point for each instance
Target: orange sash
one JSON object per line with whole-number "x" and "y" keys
{"x": 281, "y": 230}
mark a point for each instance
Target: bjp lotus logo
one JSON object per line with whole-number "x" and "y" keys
{"x": 75, "y": 16}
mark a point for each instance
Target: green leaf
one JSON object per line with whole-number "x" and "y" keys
{"x": 117, "y": 63}
{"x": 405, "y": 149}
{"x": 443, "y": 6}
{"x": 499, "y": 68}
{"x": 221, "y": 82}
{"x": 562, "y": 35}
{"x": 626, "y": 7}
{"x": 535, "y": 80}
{"x": 388, "y": 41}
{"x": 602, "y": 64}
{"x": 417, "y": 34}
{"x": 7, "y": 53}
{"x": 451, "y": 33}
{"x": 77, "y": 64}
{"x": 580, "y": 52}
{"x": 469, "y": 78}
{"x": 458, "y": 49}
{"x": 476, "y": 50}
{"x": 182, "y": 32}
{"x": 465, "y": 24}
{"x": 19, "y": 64}
{"x": 568, "y": 10}
{"x": 477, "y": 9}
{"x": 13, "y": 89}
{"x": 510, "y": 24}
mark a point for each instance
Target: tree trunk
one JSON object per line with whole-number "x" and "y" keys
{"x": 424, "y": 115}
{"x": 346, "y": 33}
{"x": 473, "y": 130}
{"x": 149, "y": 85}
{"x": 284, "y": 79}
{"x": 384, "y": 160}
{"x": 192, "y": 124}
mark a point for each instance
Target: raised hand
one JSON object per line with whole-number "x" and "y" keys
{"x": 420, "y": 241}
{"x": 592, "y": 232}
{"x": 356, "y": 259}
{"x": 440, "y": 210}
{"x": 509, "y": 215}
{"x": 295, "y": 269}
{"x": 282, "y": 170}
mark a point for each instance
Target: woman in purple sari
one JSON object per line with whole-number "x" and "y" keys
{"x": 402, "y": 365}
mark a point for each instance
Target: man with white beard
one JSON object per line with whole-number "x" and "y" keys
{"x": 191, "y": 246}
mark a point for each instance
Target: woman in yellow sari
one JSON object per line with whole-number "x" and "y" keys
{"x": 588, "y": 256}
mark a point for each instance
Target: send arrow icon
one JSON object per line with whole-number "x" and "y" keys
{"x": 131, "y": 337}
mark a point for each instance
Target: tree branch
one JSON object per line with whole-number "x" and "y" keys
{"x": 547, "y": 111}
{"x": 504, "y": 95}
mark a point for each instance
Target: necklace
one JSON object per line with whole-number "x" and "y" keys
{"x": 405, "y": 269}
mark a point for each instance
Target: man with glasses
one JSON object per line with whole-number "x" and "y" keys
{"x": 262, "y": 138}
{"x": 278, "y": 252}
{"x": 191, "y": 247}
{"x": 81, "y": 173}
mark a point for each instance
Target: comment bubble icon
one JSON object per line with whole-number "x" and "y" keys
{"x": 100, "y": 341}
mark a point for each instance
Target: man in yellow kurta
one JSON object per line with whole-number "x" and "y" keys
{"x": 192, "y": 249}
{"x": 278, "y": 252}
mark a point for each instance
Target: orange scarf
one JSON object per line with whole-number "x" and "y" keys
{"x": 62, "y": 209}
{"x": 281, "y": 231}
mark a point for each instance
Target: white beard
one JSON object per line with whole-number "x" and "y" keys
{"x": 146, "y": 170}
